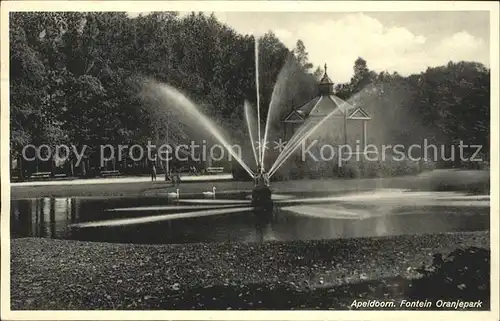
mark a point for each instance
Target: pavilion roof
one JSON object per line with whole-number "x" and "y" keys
{"x": 321, "y": 106}
{"x": 325, "y": 104}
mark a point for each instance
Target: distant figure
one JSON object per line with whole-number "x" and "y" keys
{"x": 175, "y": 177}
{"x": 178, "y": 176}
{"x": 171, "y": 176}
{"x": 167, "y": 175}
{"x": 153, "y": 172}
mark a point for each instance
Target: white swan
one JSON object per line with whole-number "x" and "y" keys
{"x": 210, "y": 194}
{"x": 173, "y": 195}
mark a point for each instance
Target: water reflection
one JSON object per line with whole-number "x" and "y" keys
{"x": 55, "y": 217}
{"x": 44, "y": 217}
{"x": 404, "y": 220}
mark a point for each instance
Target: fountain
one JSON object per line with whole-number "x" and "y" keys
{"x": 321, "y": 109}
{"x": 358, "y": 210}
{"x": 261, "y": 193}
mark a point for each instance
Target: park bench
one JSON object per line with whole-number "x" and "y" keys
{"x": 15, "y": 175}
{"x": 41, "y": 175}
{"x": 110, "y": 173}
{"x": 60, "y": 175}
{"x": 215, "y": 170}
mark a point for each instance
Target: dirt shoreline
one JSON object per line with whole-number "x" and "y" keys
{"x": 61, "y": 274}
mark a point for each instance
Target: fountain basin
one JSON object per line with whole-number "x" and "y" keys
{"x": 261, "y": 200}
{"x": 301, "y": 216}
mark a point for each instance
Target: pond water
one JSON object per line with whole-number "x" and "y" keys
{"x": 306, "y": 216}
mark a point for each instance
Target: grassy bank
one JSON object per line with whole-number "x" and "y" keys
{"x": 58, "y": 274}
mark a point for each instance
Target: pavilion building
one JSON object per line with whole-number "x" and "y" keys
{"x": 347, "y": 123}
{"x": 345, "y": 126}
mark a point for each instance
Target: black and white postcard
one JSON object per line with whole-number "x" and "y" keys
{"x": 249, "y": 160}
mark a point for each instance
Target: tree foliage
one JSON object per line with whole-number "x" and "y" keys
{"x": 76, "y": 78}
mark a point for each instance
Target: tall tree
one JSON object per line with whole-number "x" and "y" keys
{"x": 362, "y": 76}
{"x": 302, "y": 56}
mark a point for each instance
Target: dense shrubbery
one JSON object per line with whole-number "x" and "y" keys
{"x": 476, "y": 181}
{"x": 352, "y": 169}
{"x": 464, "y": 274}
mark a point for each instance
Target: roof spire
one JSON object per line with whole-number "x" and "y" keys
{"x": 326, "y": 84}
{"x": 326, "y": 79}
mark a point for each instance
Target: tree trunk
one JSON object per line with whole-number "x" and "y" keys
{"x": 84, "y": 169}
{"x": 52, "y": 167}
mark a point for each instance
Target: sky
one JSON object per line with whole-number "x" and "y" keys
{"x": 406, "y": 42}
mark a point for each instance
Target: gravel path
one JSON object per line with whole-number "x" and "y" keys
{"x": 60, "y": 274}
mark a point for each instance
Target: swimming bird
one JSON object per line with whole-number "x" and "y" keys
{"x": 173, "y": 195}
{"x": 210, "y": 194}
